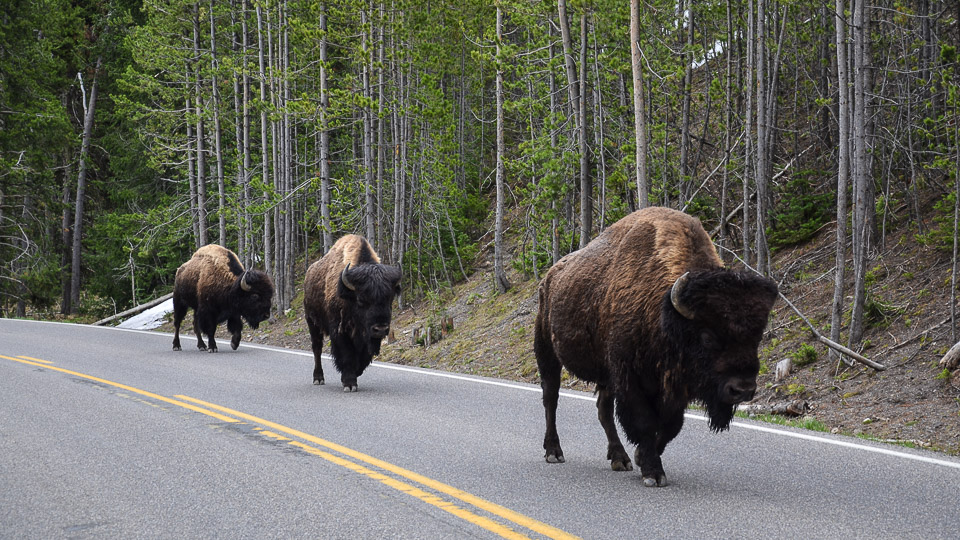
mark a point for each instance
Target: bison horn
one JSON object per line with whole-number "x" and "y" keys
{"x": 675, "y": 293}
{"x": 243, "y": 283}
{"x": 345, "y": 281}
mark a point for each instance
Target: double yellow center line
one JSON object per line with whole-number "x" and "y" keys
{"x": 403, "y": 480}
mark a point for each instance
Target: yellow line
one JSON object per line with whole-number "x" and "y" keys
{"x": 493, "y": 508}
{"x": 35, "y": 359}
{"x": 128, "y": 388}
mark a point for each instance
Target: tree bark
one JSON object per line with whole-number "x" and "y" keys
{"x": 88, "y": 115}
{"x": 843, "y": 112}
{"x": 639, "y": 112}
{"x": 325, "y": 224}
{"x": 217, "y": 134}
{"x": 500, "y": 275}
{"x": 864, "y": 202}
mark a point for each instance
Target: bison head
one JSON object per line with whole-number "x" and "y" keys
{"x": 716, "y": 318}
{"x": 370, "y": 288}
{"x": 255, "y": 296}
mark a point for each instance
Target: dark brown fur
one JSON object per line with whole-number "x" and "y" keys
{"x": 355, "y": 319}
{"x": 210, "y": 284}
{"x": 605, "y": 314}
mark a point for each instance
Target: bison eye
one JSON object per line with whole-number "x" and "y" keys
{"x": 709, "y": 340}
{"x": 255, "y": 297}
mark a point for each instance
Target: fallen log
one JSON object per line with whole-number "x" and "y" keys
{"x": 134, "y": 310}
{"x": 787, "y": 408}
{"x": 951, "y": 360}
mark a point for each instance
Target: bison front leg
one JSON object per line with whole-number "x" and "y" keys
{"x": 640, "y": 423}
{"x": 235, "y": 327}
{"x": 619, "y": 459}
{"x": 344, "y": 358}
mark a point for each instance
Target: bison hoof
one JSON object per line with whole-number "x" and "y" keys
{"x": 621, "y": 464}
{"x": 349, "y": 388}
{"x": 202, "y": 346}
{"x": 212, "y": 350}
{"x": 176, "y": 348}
{"x": 318, "y": 381}
{"x": 235, "y": 342}
{"x": 659, "y": 480}
{"x": 555, "y": 458}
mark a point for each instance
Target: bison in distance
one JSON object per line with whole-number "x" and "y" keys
{"x": 217, "y": 287}
{"x": 648, "y": 313}
{"x": 348, "y": 295}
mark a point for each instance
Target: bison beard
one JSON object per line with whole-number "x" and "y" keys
{"x": 648, "y": 313}
{"x": 348, "y": 296}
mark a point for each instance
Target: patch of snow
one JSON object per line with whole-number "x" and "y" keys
{"x": 149, "y": 319}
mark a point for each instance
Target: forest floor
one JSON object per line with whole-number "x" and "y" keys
{"x": 911, "y": 403}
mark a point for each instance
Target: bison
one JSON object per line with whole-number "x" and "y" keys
{"x": 216, "y": 286}
{"x": 347, "y": 295}
{"x": 648, "y": 313}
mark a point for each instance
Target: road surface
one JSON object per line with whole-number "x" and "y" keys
{"x": 110, "y": 433}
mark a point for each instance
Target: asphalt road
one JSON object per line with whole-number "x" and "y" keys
{"x": 109, "y": 433}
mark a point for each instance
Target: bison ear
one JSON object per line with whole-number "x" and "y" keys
{"x": 675, "y": 293}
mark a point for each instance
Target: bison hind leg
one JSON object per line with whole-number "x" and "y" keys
{"x": 179, "y": 312}
{"x": 550, "y": 371}
{"x": 316, "y": 344}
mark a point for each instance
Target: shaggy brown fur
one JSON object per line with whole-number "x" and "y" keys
{"x": 211, "y": 284}
{"x": 605, "y": 314}
{"x": 355, "y": 316}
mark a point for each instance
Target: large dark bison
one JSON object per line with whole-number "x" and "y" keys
{"x": 216, "y": 286}
{"x": 648, "y": 313}
{"x": 347, "y": 295}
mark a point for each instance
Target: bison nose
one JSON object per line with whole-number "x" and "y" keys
{"x": 739, "y": 391}
{"x": 380, "y": 330}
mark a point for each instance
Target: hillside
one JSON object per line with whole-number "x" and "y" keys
{"x": 910, "y": 403}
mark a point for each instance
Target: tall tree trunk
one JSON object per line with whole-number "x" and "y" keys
{"x": 88, "y": 114}
{"x": 217, "y": 134}
{"x": 748, "y": 127}
{"x": 639, "y": 112}
{"x": 325, "y": 224}
{"x": 763, "y": 263}
{"x": 554, "y": 113}
{"x": 247, "y": 226}
{"x": 500, "y": 275}
{"x": 685, "y": 187}
{"x": 191, "y": 170}
{"x": 586, "y": 181}
{"x": 864, "y": 201}
{"x": 368, "y": 187}
{"x": 202, "y": 239}
{"x": 66, "y": 231}
{"x": 268, "y": 247}
{"x": 727, "y": 129}
{"x": 843, "y": 167}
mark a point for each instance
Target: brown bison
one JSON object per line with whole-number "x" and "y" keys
{"x": 347, "y": 295}
{"x": 216, "y": 286}
{"x": 648, "y": 313}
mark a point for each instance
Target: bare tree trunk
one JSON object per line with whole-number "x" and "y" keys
{"x": 555, "y": 230}
{"x": 247, "y": 244}
{"x": 639, "y": 111}
{"x": 573, "y": 91}
{"x": 685, "y": 187}
{"x": 268, "y": 247}
{"x": 66, "y": 229}
{"x": 748, "y": 127}
{"x": 221, "y": 184}
{"x": 202, "y": 239}
{"x": 191, "y": 172}
{"x": 325, "y": 224}
{"x": 88, "y": 114}
{"x": 586, "y": 181}
{"x": 368, "y": 187}
{"x": 381, "y": 130}
{"x": 763, "y": 185}
{"x": 862, "y": 179}
{"x": 727, "y": 118}
{"x": 500, "y": 275}
{"x": 843, "y": 116}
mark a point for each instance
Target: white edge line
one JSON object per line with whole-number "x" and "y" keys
{"x": 585, "y": 397}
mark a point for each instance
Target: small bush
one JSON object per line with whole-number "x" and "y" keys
{"x": 806, "y": 354}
